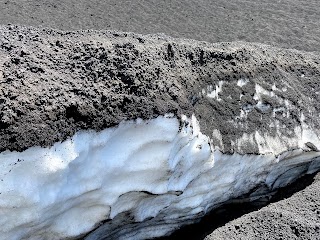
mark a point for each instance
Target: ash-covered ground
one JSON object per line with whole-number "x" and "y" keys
{"x": 55, "y": 83}
{"x": 283, "y": 23}
{"x": 288, "y": 24}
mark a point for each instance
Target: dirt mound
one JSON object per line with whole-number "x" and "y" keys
{"x": 54, "y": 83}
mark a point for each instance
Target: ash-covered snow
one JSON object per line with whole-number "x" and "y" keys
{"x": 150, "y": 169}
{"x": 63, "y": 191}
{"x": 257, "y": 108}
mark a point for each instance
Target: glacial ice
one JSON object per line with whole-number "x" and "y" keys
{"x": 145, "y": 167}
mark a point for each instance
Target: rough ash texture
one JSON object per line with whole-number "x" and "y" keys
{"x": 54, "y": 83}
{"x": 297, "y": 217}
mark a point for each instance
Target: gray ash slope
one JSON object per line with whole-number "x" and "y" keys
{"x": 54, "y": 83}
{"x": 297, "y": 217}
{"x": 285, "y": 23}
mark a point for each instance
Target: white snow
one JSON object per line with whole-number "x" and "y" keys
{"x": 145, "y": 167}
{"x": 242, "y": 81}
{"x": 261, "y": 91}
{"x": 66, "y": 189}
{"x": 214, "y": 93}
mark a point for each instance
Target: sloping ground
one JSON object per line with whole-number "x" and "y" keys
{"x": 257, "y": 108}
{"x": 284, "y": 23}
{"x": 297, "y": 217}
{"x": 233, "y": 213}
{"x": 55, "y": 83}
{"x": 289, "y": 24}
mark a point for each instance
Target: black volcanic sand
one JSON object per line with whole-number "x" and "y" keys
{"x": 284, "y": 23}
{"x": 292, "y": 215}
{"x": 55, "y": 83}
{"x": 296, "y": 217}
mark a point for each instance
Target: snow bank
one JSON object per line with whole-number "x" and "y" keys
{"x": 147, "y": 168}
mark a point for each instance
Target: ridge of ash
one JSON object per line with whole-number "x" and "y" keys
{"x": 54, "y": 83}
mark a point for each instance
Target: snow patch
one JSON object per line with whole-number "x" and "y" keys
{"x": 160, "y": 168}
{"x": 63, "y": 191}
{"x": 261, "y": 91}
{"x": 242, "y": 81}
{"x": 215, "y": 93}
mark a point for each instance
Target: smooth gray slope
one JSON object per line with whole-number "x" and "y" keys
{"x": 284, "y": 23}
{"x": 297, "y": 217}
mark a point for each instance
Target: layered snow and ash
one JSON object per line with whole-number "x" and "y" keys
{"x": 109, "y": 135}
{"x": 156, "y": 169}
{"x": 63, "y": 191}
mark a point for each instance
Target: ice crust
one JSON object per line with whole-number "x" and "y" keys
{"x": 145, "y": 167}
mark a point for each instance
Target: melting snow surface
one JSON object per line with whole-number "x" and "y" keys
{"x": 242, "y": 81}
{"x": 215, "y": 93}
{"x": 145, "y": 167}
